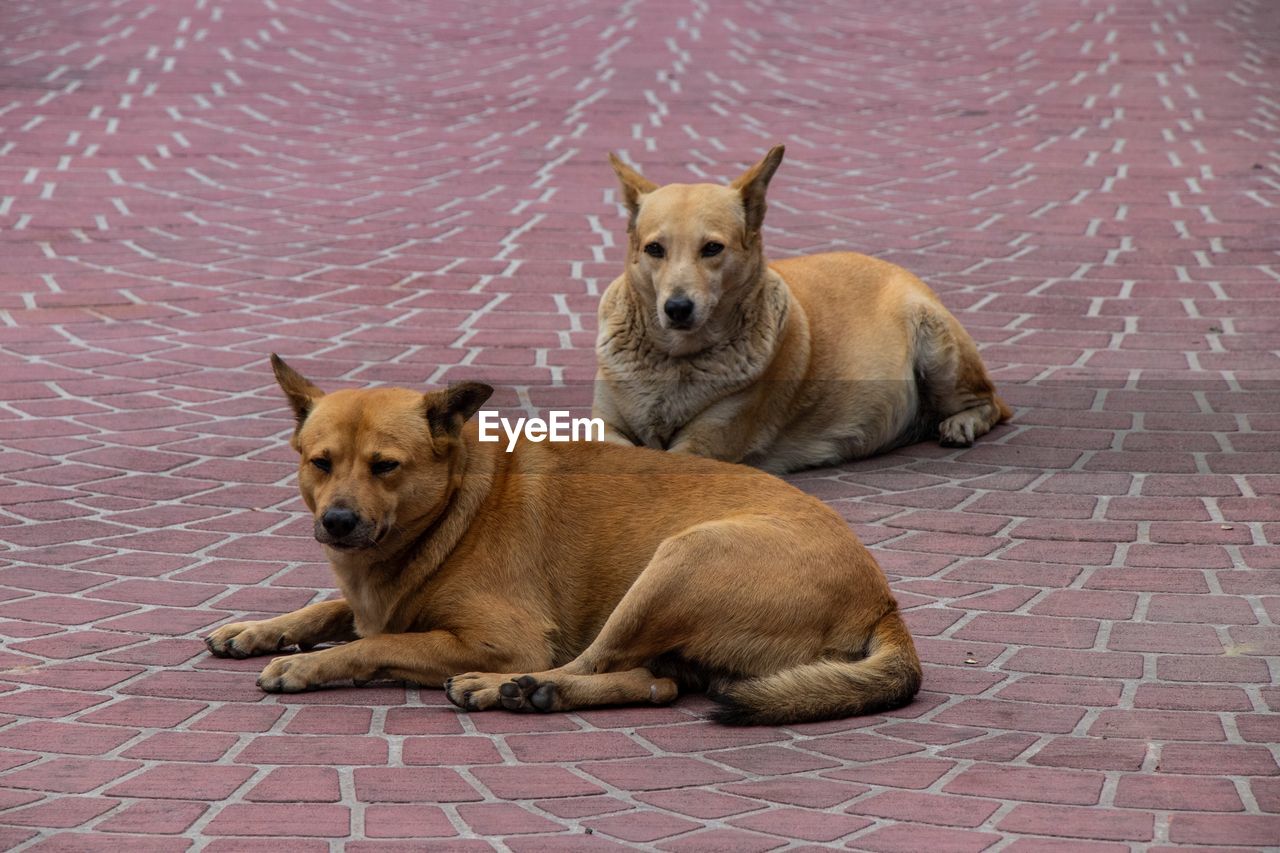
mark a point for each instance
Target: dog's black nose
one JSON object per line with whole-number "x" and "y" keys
{"x": 339, "y": 521}
{"x": 679, "y": 309}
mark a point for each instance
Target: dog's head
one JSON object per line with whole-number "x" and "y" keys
{"x": 691, "y": 244}
{"x": 376, "y": 464}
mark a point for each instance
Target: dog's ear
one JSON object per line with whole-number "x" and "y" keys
{"x": 753, "y": 183}
{"x": 634, "y": 186}
{"x": 449, "y": 409}
{"x": 299, "y": 391}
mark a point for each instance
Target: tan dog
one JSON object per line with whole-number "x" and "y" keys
{"x": 707, "y": 349}
{"x": 586, "y": 574}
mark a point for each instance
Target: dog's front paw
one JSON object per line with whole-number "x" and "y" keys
{"x": 295, "y": 674}
{"x": 242, "y": 639}
{"x": 962, "y": 429}
{"x": 475, "y": 691}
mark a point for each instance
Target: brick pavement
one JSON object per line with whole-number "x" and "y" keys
{"x": 397, "y": 192}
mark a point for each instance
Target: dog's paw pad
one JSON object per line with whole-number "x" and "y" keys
{"x": 512, "y": 695}
{"x": 544, "y": 698}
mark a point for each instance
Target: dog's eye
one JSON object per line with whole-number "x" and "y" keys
{"x": 655, "y": 250}
{"x": 710, "y": 250}
{"x": 322, "y": 464}
{"x": 384, "y": 466}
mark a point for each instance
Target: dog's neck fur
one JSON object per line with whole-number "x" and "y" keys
{"x": 404, "y": 564}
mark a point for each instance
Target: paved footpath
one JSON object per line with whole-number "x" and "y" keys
{"x": 417, "y": 192}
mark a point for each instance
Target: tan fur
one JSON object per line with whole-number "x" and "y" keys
{"x": 802, "y": 362}
{"x": 567, "y": 575}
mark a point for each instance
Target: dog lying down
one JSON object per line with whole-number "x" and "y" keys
{"x": 705, "y": 348}
{"x": 570, "y": 575}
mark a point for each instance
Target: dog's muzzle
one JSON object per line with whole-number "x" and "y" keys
{"x": 343, "y": 528}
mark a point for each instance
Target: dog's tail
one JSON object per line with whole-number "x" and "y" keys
{"x": 888, "y": 677}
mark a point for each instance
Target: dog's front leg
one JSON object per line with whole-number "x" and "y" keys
{"x": 326, "y": 622}
{"x": 713, "y": 438}
{"x": 421, "y": 658}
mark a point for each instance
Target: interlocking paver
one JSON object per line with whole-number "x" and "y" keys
{"x": 385, "y": 192}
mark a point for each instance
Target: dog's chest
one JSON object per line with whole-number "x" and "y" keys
{"x": 657, "y": 402}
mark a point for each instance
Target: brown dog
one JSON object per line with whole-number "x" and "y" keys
{"x": 585, "y": 573}
{"x": 705, "y": 348}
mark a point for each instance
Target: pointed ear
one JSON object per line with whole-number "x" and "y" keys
{"x": 634, "y": 187}
{"x": 753, "y": 183}
{"x": 448, "y": 410}
{"x": 301, "y": 394}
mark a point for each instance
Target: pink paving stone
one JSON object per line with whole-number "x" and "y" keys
{"x": 579, "y": 807}
{"x": 37, "y": 702}
{"x": 1076, "y": 822}
{"x": 281, "y": 819}
{"x": 182, "y": 746}
{"x": 297, "y": 785}
{"x": 1023, "y": 716}
{"x": 1181, "y": 793}
{"x": 1217, "y": 668}
{"x": 411, "y": 785}
{"x": 1056, "y": 689}
{"x": 1000, "y": 747}
{"x": 1192, "y": 697}
{"x": 183, "y": 782}
{"x": 334, "y": 721}
{"x": 69, "y": 775}
{"x": 772, "y": 760}
{"x": 407, "y": 821}
{"x": 1251, "y": 830}
{"x": 519, "y": 783}
{"x": 802, "y": 824}
{"x": 696, "y": 737}
{"x": 855, "y": 746}
{"x": 722, "y": 841}
{"x": 1259, "y": 728}
{"x": 911, "y": 839}
{"x": 313, "y": 749}
{"x": 641, "y": 826}
{"x": 575, "y": 746}
{"x": 1267, "y": 794}
{"x": 1158, "y": 725}
{"x": 1217, "y": 759}
{"x": 504, "y": 819}
{"x": 61, "y": 812}
{"x": 913, "y": 807}
{"x": 697, "y": 804}
{"x": 455, "y": 750}
{"x": 810, "y": 793}
{"x": 65, "y": 738}
{"x": 1090, "y": 754}
{"x": 1037, "y": 785}
{"x": 648, "y": 774}
{"x": 154, "y": 818}
{"x": 150, "y": 713}
{"x": 239, "y": 718}
{"x": 422, "y": 721}
{"x": 1060, "y": 845}
{"x": 1086, "y": 603}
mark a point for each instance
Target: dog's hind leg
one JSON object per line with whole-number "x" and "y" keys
{"x": 708, "y": 597}
{"x": 954, "y": 383}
